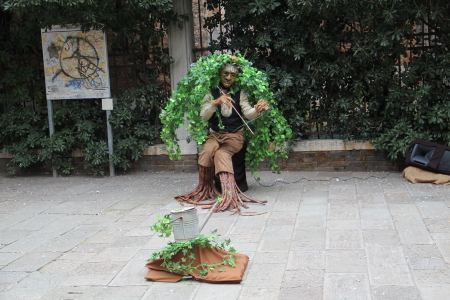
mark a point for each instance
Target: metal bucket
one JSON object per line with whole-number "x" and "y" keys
{"x": 185, "y": 224}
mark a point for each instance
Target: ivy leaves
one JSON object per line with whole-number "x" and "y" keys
{"x": 186, "y": 263}
{"x": 203, "y": 77}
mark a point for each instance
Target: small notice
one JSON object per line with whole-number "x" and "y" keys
{"x": 75, "y": 63}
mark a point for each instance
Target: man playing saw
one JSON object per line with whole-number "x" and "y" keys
{"x": 224, "y": 112}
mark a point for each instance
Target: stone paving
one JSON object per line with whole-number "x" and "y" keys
{"x": 322, "y": 236}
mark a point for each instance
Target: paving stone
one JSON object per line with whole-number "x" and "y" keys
{"x": 343, "y": 212}
{"x": 259, "y": 293}
{"x": 345, "y": 261}
{"x": 311, "y": 200}
{"x": 36, "y": 222}
{"x": 289, "y": 196}
{"x": 398, "y": 198}
{"x": 433, "y": 284}
{"x": 300, "y": 293}
{"x": 270, "y": 257}
{"x": 132, "y": 274}
{"x": 267, "y": 275}
{"x": 440, "y": 292}
{"x": 310, "y": 222}
{"x": 440, "y": 236}
{"x": 99, "y": 268}
{"x": 171, "y": 291}
{"x": 342, "y": 201}
{"x": 350, "y": 238}
{"x": 395, "y": 292}
{"x": 444, "y": 247}
{"x": 102, "y": 220}
{"x": 387, "y": 266}
{"x": 308, "y": 210}
{"x": 377, "y": 237}
{"x": 339, "y": 224}
{"x": 286, "y": 206}
{"x": 343, "y": 194}
{"x": 385, "y": 223}
{"x": 371, "y": 198}
{"x": 271, "y": 245}
{"x": 60, "y": 266}
{"x": 246, "y": 247}
{"x": 10, "y": 279}
{"x": 250, "y": 237}
{"x": 10, "y": 236}
{"x": 346, "y": 286}
{"x": 308, "y": 239}
{"x": 218, "y": 291}
{"x": 34, "y": 286}
{"x": 70, "y": 239}
{"x": 31, "y": 261}
{"x": 45, "y": 234}
{"x": 434, "y": 210}
{"x": 404, "y": 210}
{"x": 306, "y": 260}
{"x": 437, "y": 225}
{"x": 374, "y": 211}
{"x": 95, "y": 292}
{"x": 412, "y": 230}
{"x": 316, "y": 192}
{"x": 303, "y": 278}
{"x": 115, "y": 254}
{"x": 6, "y": 258}
{"x": 278, "y": 232}
{"x": 88, "y": 280}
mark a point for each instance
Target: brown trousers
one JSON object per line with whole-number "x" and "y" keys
{"x": 218, "y": 150}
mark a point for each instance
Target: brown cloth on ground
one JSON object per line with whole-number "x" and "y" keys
{"x": 416, "y": 175}
{"x": 202, "y": 255}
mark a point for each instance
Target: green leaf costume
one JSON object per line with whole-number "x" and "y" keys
{"x": 271, "y": 130}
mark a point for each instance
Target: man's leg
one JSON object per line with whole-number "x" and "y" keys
{"x": 231, "y": 143}
{"x": 205, "y": 157}
{"x": 205, "y": 188}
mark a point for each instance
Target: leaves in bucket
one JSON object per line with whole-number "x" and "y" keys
{"x": 163, "y": 226}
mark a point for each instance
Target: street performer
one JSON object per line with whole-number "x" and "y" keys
{"x": 224, "y": 112}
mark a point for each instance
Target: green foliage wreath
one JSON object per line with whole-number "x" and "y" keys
{"x": 271, "y": 130}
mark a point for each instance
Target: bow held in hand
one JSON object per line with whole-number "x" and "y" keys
{"x": 223, "y": 99}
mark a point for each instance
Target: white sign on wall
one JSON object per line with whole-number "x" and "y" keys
{"x": 75, "y": 63}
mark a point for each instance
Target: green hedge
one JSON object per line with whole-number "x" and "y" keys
{"x": 339, "y": 61}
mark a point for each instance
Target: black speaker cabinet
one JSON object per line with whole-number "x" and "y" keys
{"x": 428, "y": 156}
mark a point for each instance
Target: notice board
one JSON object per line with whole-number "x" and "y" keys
{"x": 75, "y": 63}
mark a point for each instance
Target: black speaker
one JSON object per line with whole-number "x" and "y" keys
{"x": 428, "y": 156}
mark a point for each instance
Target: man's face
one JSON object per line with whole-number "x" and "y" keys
{"x": 228, "y": 76}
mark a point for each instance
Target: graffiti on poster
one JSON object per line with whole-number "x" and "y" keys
{"x": 75, "y": 63}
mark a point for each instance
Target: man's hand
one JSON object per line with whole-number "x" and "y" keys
{"x": 261, "y": 106}
{"x": 223, "y": 99}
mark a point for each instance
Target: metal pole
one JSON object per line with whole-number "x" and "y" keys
{"x": 208, "y": 216}
{"x": 112, "y": 172}
{"x": 51, "y": 126}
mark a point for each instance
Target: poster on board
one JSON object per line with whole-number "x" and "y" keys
{"x": 75, "y": 63}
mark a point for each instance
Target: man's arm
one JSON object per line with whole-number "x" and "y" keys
{"x": 209, "y": 106}
{"x": 249, "y": 111}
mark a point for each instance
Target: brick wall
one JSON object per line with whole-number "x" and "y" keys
{"x": 327, "y": 155}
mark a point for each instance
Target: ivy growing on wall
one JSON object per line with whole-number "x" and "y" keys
{"x": 134, "y": 27}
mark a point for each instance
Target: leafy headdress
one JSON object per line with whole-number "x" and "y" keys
{"x": 271, "y": 130}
